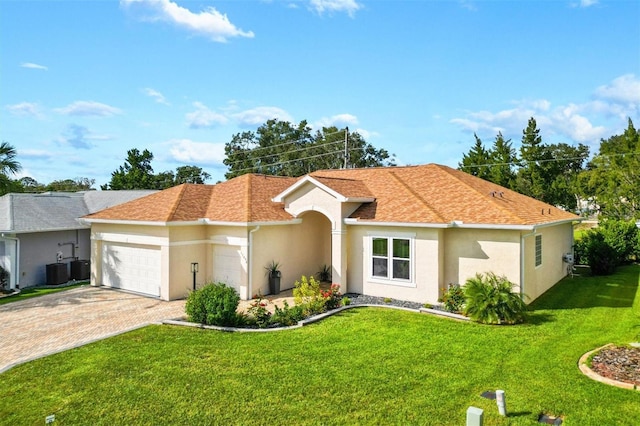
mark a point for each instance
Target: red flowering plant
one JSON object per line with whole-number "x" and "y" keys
{"x": 258, "y": 311}
{"x": 332, "y": 296}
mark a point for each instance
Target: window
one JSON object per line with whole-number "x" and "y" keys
{"x": 538, "y": 250}
{"x": 391, "y": 258}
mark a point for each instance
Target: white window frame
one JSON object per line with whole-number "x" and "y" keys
{"x": 537, "y": 254}
{"x": 389, "y": 279}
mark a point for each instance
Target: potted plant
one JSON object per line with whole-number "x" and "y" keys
{"x": 324, "y": 274}
{"x": 273, "y": 270}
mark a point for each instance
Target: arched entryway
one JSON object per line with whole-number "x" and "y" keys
{"x": 315, "y": 242}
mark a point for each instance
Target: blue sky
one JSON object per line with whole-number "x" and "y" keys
{"x": 82, "y": 82}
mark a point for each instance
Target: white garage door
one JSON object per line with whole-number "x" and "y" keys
{"x": 227, "y": 265}
{"x": 131, "y": 268}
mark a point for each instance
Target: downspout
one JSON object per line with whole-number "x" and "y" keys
{"x": 250, "y": 266}
{"x": 522, "y": 237}
{"x": 17, "y": 262}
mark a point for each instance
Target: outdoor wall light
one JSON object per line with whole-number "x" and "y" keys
{"x": 194, "y": 271}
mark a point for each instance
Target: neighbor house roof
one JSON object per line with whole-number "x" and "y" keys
{"x": 430, "y": 194}
{"x": 52, "y": 211}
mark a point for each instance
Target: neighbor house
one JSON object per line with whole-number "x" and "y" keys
{"x": 41, "y": 229}
{"x": 400, "y": 232}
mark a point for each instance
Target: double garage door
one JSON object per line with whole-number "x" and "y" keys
{"x": 131, "y": 267}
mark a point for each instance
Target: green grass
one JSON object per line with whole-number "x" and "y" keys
{"x": 38, "y": 291}
{"x": 362, "y": 366}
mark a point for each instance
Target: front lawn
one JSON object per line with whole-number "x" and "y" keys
{"x": 28, "y": 293}
{"x": 362, "y": 366}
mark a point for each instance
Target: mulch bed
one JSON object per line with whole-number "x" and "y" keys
{"x": 621, "y": 363}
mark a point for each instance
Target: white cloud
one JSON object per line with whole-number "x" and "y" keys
{"x": 209, "y": 23}
{"x": 348, "y": 6}
{"x": 35, "y": 154}
{"x": 80, "y": 137}
{"x": 584, "y": 3}
{"x": 33, "y": 66}
{"x": 203, "y": 117}
{"x": 366, "y": 134}
{"x": 157, "y": 96}
{"x": 257, "y": 116}
{"x": 624, "y": 89}
{"x": 25, "y": 109}
{"x": 188, "y": 151}
{"x": 89, "y": 109}
{"x": 337, "y": 120}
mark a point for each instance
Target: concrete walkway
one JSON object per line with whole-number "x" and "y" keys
{"x": 45, "y": 325}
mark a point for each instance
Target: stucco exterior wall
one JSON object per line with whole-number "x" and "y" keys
{"x": 299, "y": 248}
{"x": 556, "y": 241}
{"x": 471, "y": 251}
{"x": 39, "y": 249}
{"x": 426, "y": 267}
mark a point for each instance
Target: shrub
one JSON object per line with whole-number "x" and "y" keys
{"x": 308, "y": 295}
{"x": 592, "y": 249}
{"x": 453, "y": 298}
{"x": 214, "y": 304}
{"x": 258, "y": 312}
{"x": 489, "y": 300}
{"x": 332, "y": 296}
{"x": 345, "y": 301}
{"x": 621, "y": 236}
{"x": 287, "y": 315}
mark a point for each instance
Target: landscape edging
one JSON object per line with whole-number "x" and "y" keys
{"x": 587, "y": 371}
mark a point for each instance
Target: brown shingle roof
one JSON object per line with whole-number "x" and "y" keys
{"x": 431, "y": 194}
{"x": 438, "y": 194}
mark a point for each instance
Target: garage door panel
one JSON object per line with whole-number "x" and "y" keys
{"x": 132, "y": 268}
{"x": 227, "y": 265}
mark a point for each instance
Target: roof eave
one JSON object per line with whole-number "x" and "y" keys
{"x": 247, "y": 224}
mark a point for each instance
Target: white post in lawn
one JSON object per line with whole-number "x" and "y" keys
{"x": 502, "y": 404}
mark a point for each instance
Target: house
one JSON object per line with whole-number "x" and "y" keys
{"x": 400, "y": 232}
{"x": 37, "y": 229}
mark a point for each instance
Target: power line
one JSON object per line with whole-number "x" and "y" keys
{"x": 258, "y": 148}
{"x": 547, "y": 160}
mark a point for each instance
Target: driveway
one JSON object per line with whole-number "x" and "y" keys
{"x": 44, "y": 325}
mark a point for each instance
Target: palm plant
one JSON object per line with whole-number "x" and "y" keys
{"x": 8, "y": 162}
{"x": 489, "y": 299}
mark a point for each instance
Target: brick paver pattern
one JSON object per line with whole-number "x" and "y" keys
{"x": 44, "y": 325}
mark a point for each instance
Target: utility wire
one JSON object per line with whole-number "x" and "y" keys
{"x": 258, "y": 148}
{"x": 547, "y": 160}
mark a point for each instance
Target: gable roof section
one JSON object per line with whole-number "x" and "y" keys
{"x": 439, "y": 194}
{"x": 350, "y": 190}
{"x": 246, "y": 198}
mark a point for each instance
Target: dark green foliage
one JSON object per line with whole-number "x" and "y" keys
{"x": 613, "y": 175}
{"x": 137, "y": 173}
{"x": 214, "y": 304}
{"x": 476, "y": 161}
{"x": 258, "y": 312}
{"x": 453, "y": 298}
{"x": 611, "y": 244}
{"x": 281, "y": 148}
{"x": 489, "y": 300}
{"x": 287, "y": 315}
{"x": 592, "y": 250}
{"x": 547, "y": 172}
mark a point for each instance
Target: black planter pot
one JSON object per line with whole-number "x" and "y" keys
{"x": 274, "y": 282}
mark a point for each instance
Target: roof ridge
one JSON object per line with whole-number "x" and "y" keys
{"x": 176, "y": 203}
{"x": 491, "y": 199}
{"x": 415, "y": 194}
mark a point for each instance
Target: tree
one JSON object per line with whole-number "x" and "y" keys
{"x": 8, "y": 166}
{"x": 191, "y": 174}
{"x": 503, "y": 158}
{"x": 612, "y": 178}
{"x": 283, "y": 149}
{"x": 71, "y": 185}
{"x": 476, "y": 161}
{"x": 563, "y": 172}
{"x": 29, "y": 184}
{"x": 136, "y": 173}
{"x": 531, "y": 179}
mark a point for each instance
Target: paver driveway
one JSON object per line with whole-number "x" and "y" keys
{"x": 43, "y": 325}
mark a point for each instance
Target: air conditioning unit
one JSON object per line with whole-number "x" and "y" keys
{"x": 567, "y": 257}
